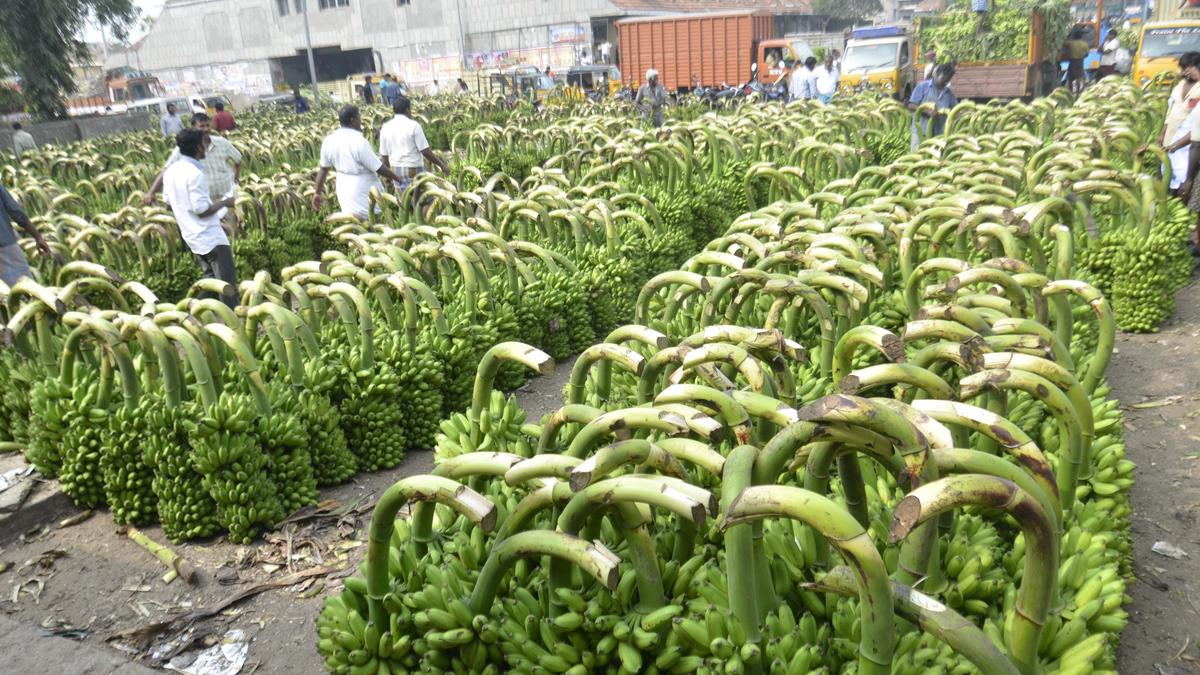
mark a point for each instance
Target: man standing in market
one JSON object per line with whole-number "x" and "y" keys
{"x": 223, "y": 121}
{"x": 13, "y": 264}
{"x": 170, "y": 124}
{"x": 826, "y": 79}
{"x": 1076, "y": 50}
{"x": 403, "y": 147}
{"x": 22, "y": 140}
{"x": 358, "y": 168}
{"x": 935, "y": 91}
{"x": 651, "y": 98}
{"x": 198, "y": 215}
{"x": 804, "y": 81}
{"x": 367, "y": 95}
{"x": 221, "y": 163}
{"x": 298, "y": 100}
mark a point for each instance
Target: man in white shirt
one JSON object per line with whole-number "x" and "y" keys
{"x": 1108, "y": 54}
{"x": 358, "y": 168}
{"x": 198, "y": 216}
{"x": 827, "y": 79}
{"x": 804, "y": 81}
{"x": 403, "y": 147}
{"x": 222, "y": 165}
{"x": 22, "y": 140}
{"x": 170, "y": 124}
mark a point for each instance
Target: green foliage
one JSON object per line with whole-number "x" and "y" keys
{"x": 953, "y": 33}
{"x": 42, "y": 37}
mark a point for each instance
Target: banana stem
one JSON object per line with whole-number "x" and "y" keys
{"x": 592, "y": 558}
{"x": 852, "y": 540}
{"x": 457, "y": 496}
{"x": 1041, "y": 556}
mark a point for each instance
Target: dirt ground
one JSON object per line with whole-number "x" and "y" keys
{"x": 99, "y": 587}
{"x": 1157, "y": 379}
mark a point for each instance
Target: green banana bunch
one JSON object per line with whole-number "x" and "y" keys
{"x": 185, "y": 508}
{"x": 128, "y": 480}
{"x": 226, "y": 452}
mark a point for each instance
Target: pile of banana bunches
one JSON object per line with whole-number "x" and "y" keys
{"x": 814, "y": 450}
{"x": 208, "y": 419}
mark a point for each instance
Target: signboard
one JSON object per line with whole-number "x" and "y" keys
{"x": 566, "y": 34}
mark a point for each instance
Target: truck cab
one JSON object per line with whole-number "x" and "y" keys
{"x": 777, "y": 58}
{"x": 879, "y": 58}
{"x": 1161, "y": 45}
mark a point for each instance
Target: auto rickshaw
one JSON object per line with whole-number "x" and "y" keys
{"x": 519, "y": 82}
{"x": 595, "y": 80}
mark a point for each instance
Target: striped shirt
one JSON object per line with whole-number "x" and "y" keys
{"x": 219, "y": 158}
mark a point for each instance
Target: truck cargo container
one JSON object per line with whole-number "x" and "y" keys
{"x": 716, "y": 48}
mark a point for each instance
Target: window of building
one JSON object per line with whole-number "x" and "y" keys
{"x": 281, "y": 6}
{"x": 403, "y": 3}
{"x": 298, "y": 5}
{"x": 333, "y": 4}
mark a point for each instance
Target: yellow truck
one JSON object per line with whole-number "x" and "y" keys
{"x": 1161, "y": 45}
{"x": 880, "y": 58}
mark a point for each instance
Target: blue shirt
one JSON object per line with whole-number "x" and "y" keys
{"x": 942, "y": 99}
{"x": 10, "y": 210}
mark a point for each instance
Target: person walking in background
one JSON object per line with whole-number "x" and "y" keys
{"x": 367, "y": 94}
{"x": 804, "y": 80}
{"x": 187, "y": 192}
{"x": 462, "y": 86}
{"x": 298, "y": 100}
{"x": 1183, "y": 98}
{"x": 1108, "y": 55}
{"x": 1177, "y": 125}
{"x": 22, "y": 140}
{"x": 403, "y": 147}
{"x": 13, "y": 264}
{"x": 935, "y": 91}
{"x": 358, "y": 168}
{"x": 931, "y": 57}
{"x": 170, "y": 124}
{"x": 1076, "y": 50}
{"x": 223, "y": 121}
{"x": 826, "y": 79}
{"x": 435, "y": 88}
{"x": 650, "y": 99}
{"x": 389, "y": 91}
{"x": 605, "y": 51}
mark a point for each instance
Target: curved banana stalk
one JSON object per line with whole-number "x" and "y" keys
{"x": 1041, "y": 556}
{"x": 851, "y": 539}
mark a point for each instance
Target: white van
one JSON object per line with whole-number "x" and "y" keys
{"x": 157, "y": 107}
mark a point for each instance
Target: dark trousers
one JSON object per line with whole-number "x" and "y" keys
{"x": 218, "y": 264}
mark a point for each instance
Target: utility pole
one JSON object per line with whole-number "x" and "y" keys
{"x": 462, "y": 39}
{"x": 312, "y": 65}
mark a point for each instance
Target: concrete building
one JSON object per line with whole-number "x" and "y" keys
{"x": 253, "y": 47}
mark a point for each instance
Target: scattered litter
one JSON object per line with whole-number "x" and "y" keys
{"x": 45, "y": 561}
{"x": 20, "y": 588}
{"x": 1170, "y": 400}
{"x": 75, "y": 519}
{"x": 13, "y": 476}
{"x": 226, "y": 658}
{"x": 143, "y": 635}
{"x": 18, "y": 479}
{"x": 1166, "y": 548}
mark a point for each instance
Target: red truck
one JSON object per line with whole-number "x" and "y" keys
{"x": 717, "y": 48}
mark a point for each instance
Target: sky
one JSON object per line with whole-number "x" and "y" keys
{"x": 150, "y": 8}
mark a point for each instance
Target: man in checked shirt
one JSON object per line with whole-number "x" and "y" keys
{"x": 222, "y": 165}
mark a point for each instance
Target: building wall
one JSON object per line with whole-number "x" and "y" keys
{"x": 79, "y": 128}
{"x": 192, "y": 40}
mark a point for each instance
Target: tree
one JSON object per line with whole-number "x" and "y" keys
{"x": 41, "y": 39}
